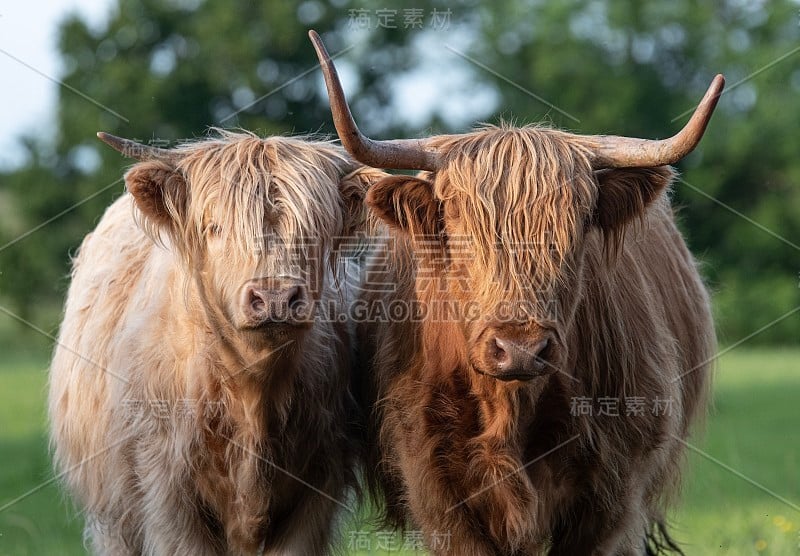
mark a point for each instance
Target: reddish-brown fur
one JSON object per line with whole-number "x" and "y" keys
{"x": 484, "y": 466}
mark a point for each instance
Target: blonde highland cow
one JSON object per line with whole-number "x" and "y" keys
{"x": 199, "y": 404}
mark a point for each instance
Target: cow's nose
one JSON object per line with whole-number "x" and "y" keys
{"x": 263, "y": 305}
{"x": 519, "y": 361}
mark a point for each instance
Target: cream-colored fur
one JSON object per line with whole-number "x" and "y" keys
{"x": 175, "y": 432}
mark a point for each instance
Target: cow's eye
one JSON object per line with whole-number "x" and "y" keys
{"x": 213, "y": 229}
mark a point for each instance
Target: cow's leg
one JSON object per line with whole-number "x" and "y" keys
{"x": 440, "y": 496}
{"x": 171, "y": 527}
{"x": 171, "y": 523}
{"x": 307, "y": 530}
{"x": 459, "y": 541}
{"x": 614, "y": 530}
{"x": 109, "y": 538}
{"x": 449, "y": 526}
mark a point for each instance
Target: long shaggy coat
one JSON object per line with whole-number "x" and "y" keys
{"x": 583, "y": 459}
{"x": 175, "y": 431}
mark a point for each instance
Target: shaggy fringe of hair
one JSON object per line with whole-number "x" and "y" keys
{"x": 552, "y": 198}
{"x": 235, "y": 192}
{"x": 234, "y": 188}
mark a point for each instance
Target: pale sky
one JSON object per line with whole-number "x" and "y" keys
{"x": 28, "y": 32}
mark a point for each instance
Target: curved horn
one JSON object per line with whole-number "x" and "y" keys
{"x": 410, "y": 154}
{"x": 627, "y": 152}
{"x": 132, "y": 149}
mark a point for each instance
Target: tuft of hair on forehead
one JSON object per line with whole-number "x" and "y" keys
{"x": 523, "y": 196}
{"x": 257, "y": 189}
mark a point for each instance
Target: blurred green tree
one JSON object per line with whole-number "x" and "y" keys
{"x": 169, "y": 70}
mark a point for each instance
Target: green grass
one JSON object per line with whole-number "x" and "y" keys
{"x": 41, "y": 522}
{"x": 754, "y": 429}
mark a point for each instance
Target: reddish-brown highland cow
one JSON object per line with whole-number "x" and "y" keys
{"x": 574, "y": 293}
{"x": 199, "y": 403}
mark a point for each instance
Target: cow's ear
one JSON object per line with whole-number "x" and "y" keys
{"x": 159, "y": 191}
{"x": 625, "y": 193}
{"x": 353, "y": 188}
{"x": 406, "y": 203}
